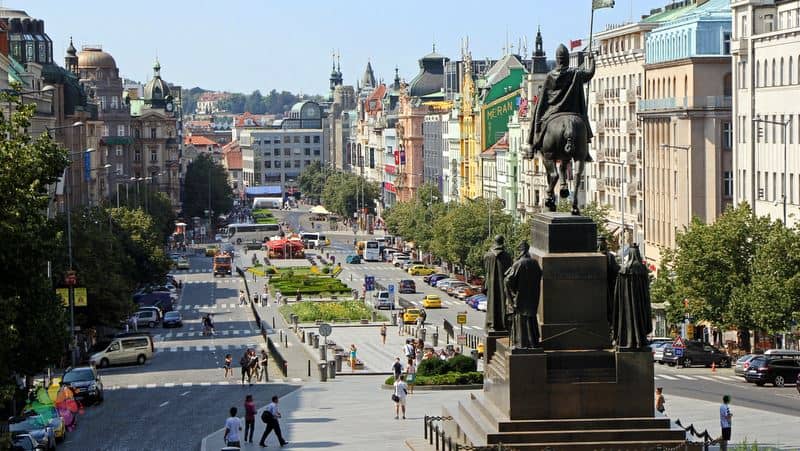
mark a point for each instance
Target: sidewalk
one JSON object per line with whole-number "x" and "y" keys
{"x": 353, "y": 413}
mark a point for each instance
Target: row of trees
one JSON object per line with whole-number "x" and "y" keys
{"x": 342, "y": 193}
{"x": 742, "y": 271}
{"x": 206, "y": 184}
{"x": 273, "y": 103}
{"x": 114, "y": 250}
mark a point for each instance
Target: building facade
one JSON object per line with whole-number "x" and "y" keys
{"x": 765, "y": 46}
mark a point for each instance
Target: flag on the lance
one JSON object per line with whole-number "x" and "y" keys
{"x": 597, "y": 4}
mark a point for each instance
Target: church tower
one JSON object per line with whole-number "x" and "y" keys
{"x": 71, "y": 60}
{"x": 539, "y": 56}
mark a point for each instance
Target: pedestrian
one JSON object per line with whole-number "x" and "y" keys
{"x": 411, "y": 376}
{"x": 409, "y": 349}
{"x": 270, "y": 416}
{"x": 397, "y": 368}
{"x": 660, "y": 400}
{"x": 227, "y": 366}
{"x": 399, "y": 397}
{"x": 263, "y": 363}
{"x": 383, "y": 333}
{"x": 249, "y": 418}
{"x": 252, "y": 359}
{"x": 134, "y": 323}
{"x": 232, "y": 427}
{"x": 265, "y": 299}
{"x": 242, "y": 298}
{"x": 299, "y": 296}
{"x": 725, "y": 416}
{"x": 353, "y": 359}
{"x": 244, "y": 362}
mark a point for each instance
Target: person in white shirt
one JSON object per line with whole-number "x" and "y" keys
{"x": 725, "y": 416}
{"x": 399, "y": 396}
{"x": 270, "y": 417}
{"x": 232, "y": 427}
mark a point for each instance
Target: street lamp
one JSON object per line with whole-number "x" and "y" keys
{"x": 784, "y": 127}
{"x": 688, "y": 150}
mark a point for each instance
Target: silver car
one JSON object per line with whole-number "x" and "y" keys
{"x": 742, "y": 364}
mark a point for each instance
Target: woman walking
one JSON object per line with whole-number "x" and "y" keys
{"x": 383, "y": 333}
{"x": 227, "y": 366}
{"x": 249, "y": 418}
{"x": 353, "y": 359}
{"x": 411, "y": 375}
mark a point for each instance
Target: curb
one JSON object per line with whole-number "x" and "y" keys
{"x": 438, "y": 387}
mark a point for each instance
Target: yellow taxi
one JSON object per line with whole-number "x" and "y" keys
{"x": 410, "y": 315}
{"x": 420, "y": 270}
{"x": 432, "y": 301}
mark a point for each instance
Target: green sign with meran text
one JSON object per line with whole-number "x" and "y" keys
{"x": 495, "y": 116}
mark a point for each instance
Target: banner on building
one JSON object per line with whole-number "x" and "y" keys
{"x": 402, "y": 156}
{"x": 598, "y": 4}
{"x": 494, "y": 118}
{"x": 87, "y": 166}
{"x": 575, "y": 43}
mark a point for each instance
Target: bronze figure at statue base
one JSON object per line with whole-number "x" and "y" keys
{"x": 573, "y": 390}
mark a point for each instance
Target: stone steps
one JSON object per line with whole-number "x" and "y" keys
{"x": 629, "y": 445}
{"x": 584, "y": 424}
{"x": 577, "y": 436}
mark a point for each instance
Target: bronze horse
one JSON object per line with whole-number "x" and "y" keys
{"x": 561, "y": 128}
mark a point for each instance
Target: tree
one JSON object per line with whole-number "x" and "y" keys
{"x": 345, "y": 193}
{"x": 206, "y": 178}
{"x": 34, "y": 324}
{"x": 254, "y": 103}
{"x": 234, "y": 103}
{"x": 312, "y": 181}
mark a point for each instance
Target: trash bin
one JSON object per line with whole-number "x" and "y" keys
{"x": 322, "y": 350}
{"x": 323, "y": 371}
{"x": 310, "y": 338}
{"x": 422, "y": 333}
{"x": 394, "y": 319}
{"x": 316, "y": 341}
{"x": 338, "y": 358}
{"x": 332, "y": 369}
{"x": 374, "y": 316}
{"x": 474, "y": 354}
{"x": 435, "y": 338}
{"x": 302, "y": 336}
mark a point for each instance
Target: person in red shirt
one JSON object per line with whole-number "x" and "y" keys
{"x": 249, "y": 418}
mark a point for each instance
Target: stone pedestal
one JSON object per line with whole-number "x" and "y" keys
{"x": 575, "y": 392}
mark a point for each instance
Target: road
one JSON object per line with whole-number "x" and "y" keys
{"x": 180, "y": 395}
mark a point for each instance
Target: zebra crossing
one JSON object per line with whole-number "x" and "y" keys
{"x": 293, "y": 380}
{"x": 232, "y": 348}
{"x": 211, "y": 306}
{"x": 221, "y": 280}
{"x": 189, "y": 271}
{"x": 694, "y": 377}
{"x": 193, "y": 334}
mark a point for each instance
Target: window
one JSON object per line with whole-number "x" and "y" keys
{"x": 137, "y": 155}
{"x": 118, "y": 151}
{"x": 758, "y": 73}
{"x": 307, "y": 139}
{"x": 119, "y": 168}
{"x": 267, "y": 165}
{"x": 296, "y": 139}
{"x": 120, "y": 130}
{"x": 791, "y": 188}
{"x": 297, "y": 163}
{"x": 727, "y": 184}
{"x": 791, "y": 71}
{"x": 114, "y": 102}
{"x": 277, "y": 164}
{"x": 726, "y": 43}
{"x": 287, "y": 152}
{"x": 769, "y": 24}
{"x": 772, "y": 80}
{"x": 102, "y": 102}
{"x": 316, "y": 139}
{"x": 267, "y": 152}
{"x": 277, "y": 141}
{"x": 154, "y": 155}
{"x": 105, "y": 130}
{"x": 316, "y": 152}
{"x": 306, "y": 163}
{"x": 727, "y": 136}
{"x": 153, "y": 133}
{"x": 306, "y": 151}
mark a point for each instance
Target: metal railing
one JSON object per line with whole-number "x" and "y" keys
{"x": 670, "y": 103}
{"x": 437, "y": 437}
{"x": 708, "y": 440}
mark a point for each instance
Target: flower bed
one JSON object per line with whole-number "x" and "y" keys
{"x": 471, "y": 378}
{"x": 289, "y": 280}
{"x": 328, "y": 311}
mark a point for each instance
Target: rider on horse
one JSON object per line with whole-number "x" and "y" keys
{"x": 562, "y": 93}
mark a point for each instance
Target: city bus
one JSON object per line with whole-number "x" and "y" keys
{"x": 247, "y": 233}
{"x": 372, "y": 251}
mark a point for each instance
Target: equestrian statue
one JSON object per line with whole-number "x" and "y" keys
{"x": 561, "y": 130}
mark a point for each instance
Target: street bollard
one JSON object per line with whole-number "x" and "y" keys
{"x": 332, "y": 369}
{"x": 422, "y": 332}
{"x": 280, "y": 335}
{"x": 273, "y": 322}
{"x": 323, "y": 371}
{"x": 394, "y": 319}
{"x": 322, "y": 352}
{"x": 309, "y": 368}
{"x": 435, "y": 338}
{"x": 316, "y": 341}
{"x": 374, "y": 316}
{"x": 310, "y": 338}
{"x": 339, "y": 357}
{"x": 302, "y": 337}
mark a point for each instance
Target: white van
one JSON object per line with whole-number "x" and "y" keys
{"x": 136, "y": 349}
{"x": 267, "y": 202}
{"x": 314, "y": 239}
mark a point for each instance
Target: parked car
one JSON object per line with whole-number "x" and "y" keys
{"x": 432, "y": 301}
{"x": 436, "y": 278}
{"x": 85, "y": 383}
{"x": 37, "y": 426}
{"x": 464, "y": 292}
{"x": 147, "y": 318}
{"x": 53, "y": 418}
{"x": 774, "y": 370}
{"x": 405, "y": 266}
{"x": 25, "y": 442}
{"x": 658, "y": 351}
{"x": 696, "y": 353}
{"x": 473, "y": 300}
{"x": 444, "y": 283}
{"x": 398, "y": 259}
{"x": 420, "y": 270}
{"x": 452, "y": 287}
{"x": 381, "y": 300}
{"x": 482, "y": 305}
{"x": 172, "y": 319}
{"x": 797, "y": 384}
{"x": 743, "y": 363}
{"x": 407, "y": 286}
{"x": 159, "y": 313}
{"x": 183, "y": 263}
{"x": 353, "y": 259}
{"x": 138, "y": 349}
{"x": 428, "y": 278}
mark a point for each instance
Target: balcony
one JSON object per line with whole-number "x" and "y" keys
{"x": 685, "y": 103}
{"x": 627, "y": 127}
{"x": 630, "y": 158}
{"x": 611, "y": 93}
{"x": 595, "y": 99}
{"x": 628, "y": 95}
{"x": 600, "y": 184}
{"x": 739, "y": 46}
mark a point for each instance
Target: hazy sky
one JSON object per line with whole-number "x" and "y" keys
{"x": 239, "y": 45}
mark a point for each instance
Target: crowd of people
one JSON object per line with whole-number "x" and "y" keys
{"x": 254, "y": 366}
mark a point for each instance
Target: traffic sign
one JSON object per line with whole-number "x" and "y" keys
{"x": 369, "y": 283}
{"x": 325, "y": 329}
{"x": 678, "y": 343}
{"x": 461, "y": 318}
{"x": 461, "y": 340}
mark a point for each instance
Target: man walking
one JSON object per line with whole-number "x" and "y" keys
{"x": 399, "y": 397}
{"x": 232, "y": 427}
{"x": 242, "y": 298}
{"x": 244, "y": 362}
{"x": 725, "y": 416}
{"x": 270, "y": 416}
{"x": 397, "y": 368}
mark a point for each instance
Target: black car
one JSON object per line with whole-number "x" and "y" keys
{"x": 407, "y": 286}
{"x": 776, "y": 371}
{"x": 428, "y": 278}
{"x": 695, "y": 353}
{"x": 85, "y": 383}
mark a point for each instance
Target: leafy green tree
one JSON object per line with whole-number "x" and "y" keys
{"x": 344, "y": 193}
{"x": 206, "y": 178}
{"x": 34, "y": 325}
{"x": 312, "y": 181}
{"x": 254, "y": 103}
{"x": 156, "y": 205}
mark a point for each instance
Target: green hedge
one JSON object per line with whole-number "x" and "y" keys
{"x": 456, "y": 364}
{"x": 308, "y": 285}
{"x": 329, "y": 311}
{"x": 471, "y": 378}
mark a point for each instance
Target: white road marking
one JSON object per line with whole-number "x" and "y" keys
{"x": 150, "y": 386}
{"x": 134, "y": 386}
{"x": 669, "y": 378}
{"x": 185, "y": 393}
{"x": 163, "y": 404}
{"x": 297, "y": 379}
{"x": 688, "y": 378}
{"x": 187, "y": 384}
{"x": 197, "y": 306}
{"x": 705, "y": 378}
{"x": 169, "y": 385}
{"x": 205, "y": 384}
{"x": 179, "y": 334}
{"x": 222, "y": 383}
